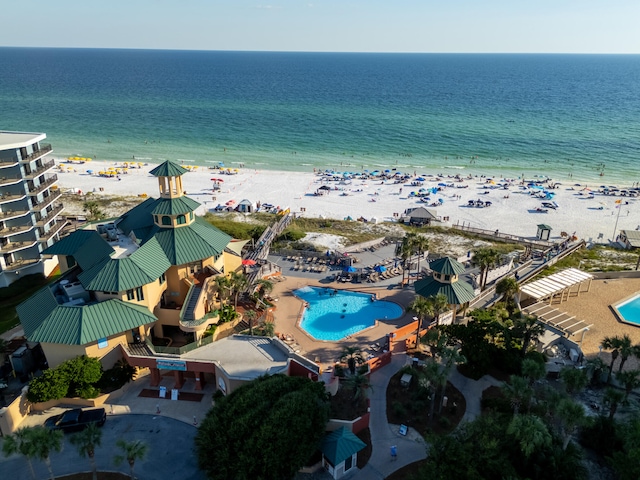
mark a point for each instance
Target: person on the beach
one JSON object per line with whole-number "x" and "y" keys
{"x": 394, "y": 452}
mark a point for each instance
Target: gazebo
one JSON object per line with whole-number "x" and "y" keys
{"x": 445, "y": 280}
{"x": 340, "y": 451}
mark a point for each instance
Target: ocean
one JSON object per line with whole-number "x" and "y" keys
{"x": 571, "y": 117}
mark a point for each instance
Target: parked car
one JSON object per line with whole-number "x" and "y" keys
{"x": 76, "y": 419}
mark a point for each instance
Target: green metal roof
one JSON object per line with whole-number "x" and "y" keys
{"x": 143, "y": 266}
{"x": 340, "y": 444}
{"x": 457, "y": 293}
{"x": 168, "y": 169}
{"x": 544, "y": 226}
{"x": 80, "y": 325}
{"x": 139, "y": 220}
{"x": 191, "y": 243}
{"x": 174, "y": 206}
{"x": 447, "y": 266}
{"x": 34, "y": 309}
{"x": 86, "y": 246}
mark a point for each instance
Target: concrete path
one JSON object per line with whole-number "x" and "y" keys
{"x": 472, "y": 392}
{"x": 383, "y": 435}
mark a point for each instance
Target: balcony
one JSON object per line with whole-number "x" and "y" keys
{"x": 55, "y": 229}
{"x": 22, "y": 263}
{"x": 9, "y": 180}
{"x": 8, "y": 163}
{"x": 8, "y": 215}
{"x": 16, "y": 246}
{"x": 40, "y": 170}
{"x": 40, "y": 206}
{"x": 41, "y": 221}
{"x": 44, "y": 149}
{"x": 43, "y": 186}
{"x": 10, "y": 197}
{"x": 10, "y": 231}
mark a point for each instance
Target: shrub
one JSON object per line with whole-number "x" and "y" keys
{"x": 51, "y": 385}
{"x": 398, "y": 409}
{"x": 291, "y": 235}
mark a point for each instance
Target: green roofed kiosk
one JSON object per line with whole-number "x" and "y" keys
{"x": 340, "y": 451}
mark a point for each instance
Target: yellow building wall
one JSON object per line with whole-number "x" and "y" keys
{"x": 57, "y": 353}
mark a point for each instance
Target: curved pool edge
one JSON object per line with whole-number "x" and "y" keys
{"x": 348, "y": 337}
{"x": 624, "y": 301}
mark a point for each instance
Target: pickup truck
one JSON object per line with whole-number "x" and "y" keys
{"x": 76, "y": 419}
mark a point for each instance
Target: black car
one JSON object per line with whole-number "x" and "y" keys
{"x": 76, "y": 419}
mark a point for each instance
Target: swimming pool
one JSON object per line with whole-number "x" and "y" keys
{"x": 335, "y": 314}
{"x": 628, "y": 310}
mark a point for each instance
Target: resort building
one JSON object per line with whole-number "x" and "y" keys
{"x": 29, "y": 205}
{"x": 144, "y": 286}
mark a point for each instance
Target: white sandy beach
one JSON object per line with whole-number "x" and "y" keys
{"x": 512, "y": 211}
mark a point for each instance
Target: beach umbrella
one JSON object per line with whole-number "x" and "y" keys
{"x": 442, "y": 184}
{"x": 248, "y": 261}
{"x": 89, "y": 172}
{"x": 380, "y": 268}
{"x": 420, "y": 179}
{"x": 350, "y": 269}
{"x": 441, "y": 200}
{"x": 387, "y": 171}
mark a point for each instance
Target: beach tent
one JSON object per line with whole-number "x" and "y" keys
{"x": 350, "y": 269}
{"x": 380, "y": 268}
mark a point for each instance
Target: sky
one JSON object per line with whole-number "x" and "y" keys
{"x": 439, "y": 26}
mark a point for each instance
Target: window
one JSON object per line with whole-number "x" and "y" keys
{"x": 348, "y": 463}
{"x": 130, "y": 295}
{"x": 71, "y": 262}
{"x": 190, "y": 215}
{"x": 166, "y": 220}
{"x": 162, "y": 279}
{"x": 181, "y": 220}
{"x": 139, "y": 294}
{"x": 447, "y": 278}
{"x": 156, "y": 219}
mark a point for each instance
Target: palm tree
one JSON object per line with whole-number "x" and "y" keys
{"x": 518, "y": 392}
{"x": 485, "y": 258}
{"x": 612, "y": 397}
{"x": 251, "y": 316}
{"x": 575, "y": 380}
{"x": 432, "y": 379}
{"x": 264, "y": 288}
{"x": 239, "y": 282}
{"x": 508, "y": 287}
{"x": 630, "y": 379}
{"x": 419, "y": 245}
{"x": 613, "y": 344}
{"x": 596, "y": 367}
{"x": 359, "y": 384}
{"x": 422, "y": 307}
{"x": 533, "y": 370}
{"x": 450, "y": 357}
{"x": 436, "y": 340}
{"x": 626, "y": 350}
{"x": 132, "y": 451}
{"x": 224, "y": 285}
{"x": 571, "y": 416}
{"x": 19, "y": 443}
{"x": 44, "y": 442}
{"x": 353, "y": 356}
{"x": 403, "y": 250}
{"x": 440, "y": 305}
{"x": 530, "y": 432}
{"x": 87, "y": 441}
{"x": 529, "y": 329}
{"x": 269, "y": 328}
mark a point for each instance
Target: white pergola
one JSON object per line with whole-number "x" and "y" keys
{"x": 560, "y": 283}
{"x": 565, "y": 323}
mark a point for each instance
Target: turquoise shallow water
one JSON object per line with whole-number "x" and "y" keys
{"x": 333, "y": 317}
{"x": 631, "y": 310}
{"x": 511, "y": 114}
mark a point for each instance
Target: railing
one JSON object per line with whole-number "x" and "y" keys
{"x": 9, "y": 231}
{"x": 10, "y": 197}
{"x": 44, "y": 149}
{"x": 199, "y": 321}
{"x": 22, "y": 263}
{"x": 43, "y": 186}
{"x": 178, "y": 350}
{"x": 496, "y": 235}
{"x": 40, "y": 170}
{"x": 8, "y": 163}
{"x": 13, "y": 214}
{"x": 8, "y": 180}
{"x": 55, "y": 229}
{"x": 48, "y": 200}
{"x": 15, "y": 246}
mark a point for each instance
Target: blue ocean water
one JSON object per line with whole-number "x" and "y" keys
{"x": 480, "y": 113}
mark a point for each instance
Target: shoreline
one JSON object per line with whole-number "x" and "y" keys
{"x": 512, "y": 210}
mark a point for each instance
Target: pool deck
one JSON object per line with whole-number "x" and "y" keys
{"x": 289, "y": 308}
{"x": 594, "y": 308}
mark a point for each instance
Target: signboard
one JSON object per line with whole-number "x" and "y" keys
{"x": 171, "y": 365}
{"x": 174, "y": 394}
{"x": 103, "y": 343}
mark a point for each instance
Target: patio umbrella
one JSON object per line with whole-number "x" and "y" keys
{"x": 350, "y": 269}
{"x": 248, "y": 261}
{"x": 380, "y": 268}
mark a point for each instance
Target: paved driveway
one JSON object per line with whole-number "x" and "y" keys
{"x": 170, "y": 455}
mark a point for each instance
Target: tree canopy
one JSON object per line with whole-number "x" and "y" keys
{"x": 266, "y": 429}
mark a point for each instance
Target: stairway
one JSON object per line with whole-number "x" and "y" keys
{"x": 191, "y": 305}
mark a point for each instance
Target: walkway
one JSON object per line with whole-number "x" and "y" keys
{"x": 472, "y": 392}
{"x": 411, "y": 448}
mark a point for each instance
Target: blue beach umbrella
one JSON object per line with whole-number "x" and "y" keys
{"x": 350, "y": 269}
{"x": 380, "y": 268}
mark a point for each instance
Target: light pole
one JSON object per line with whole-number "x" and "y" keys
{"x": 615, "y": 229}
